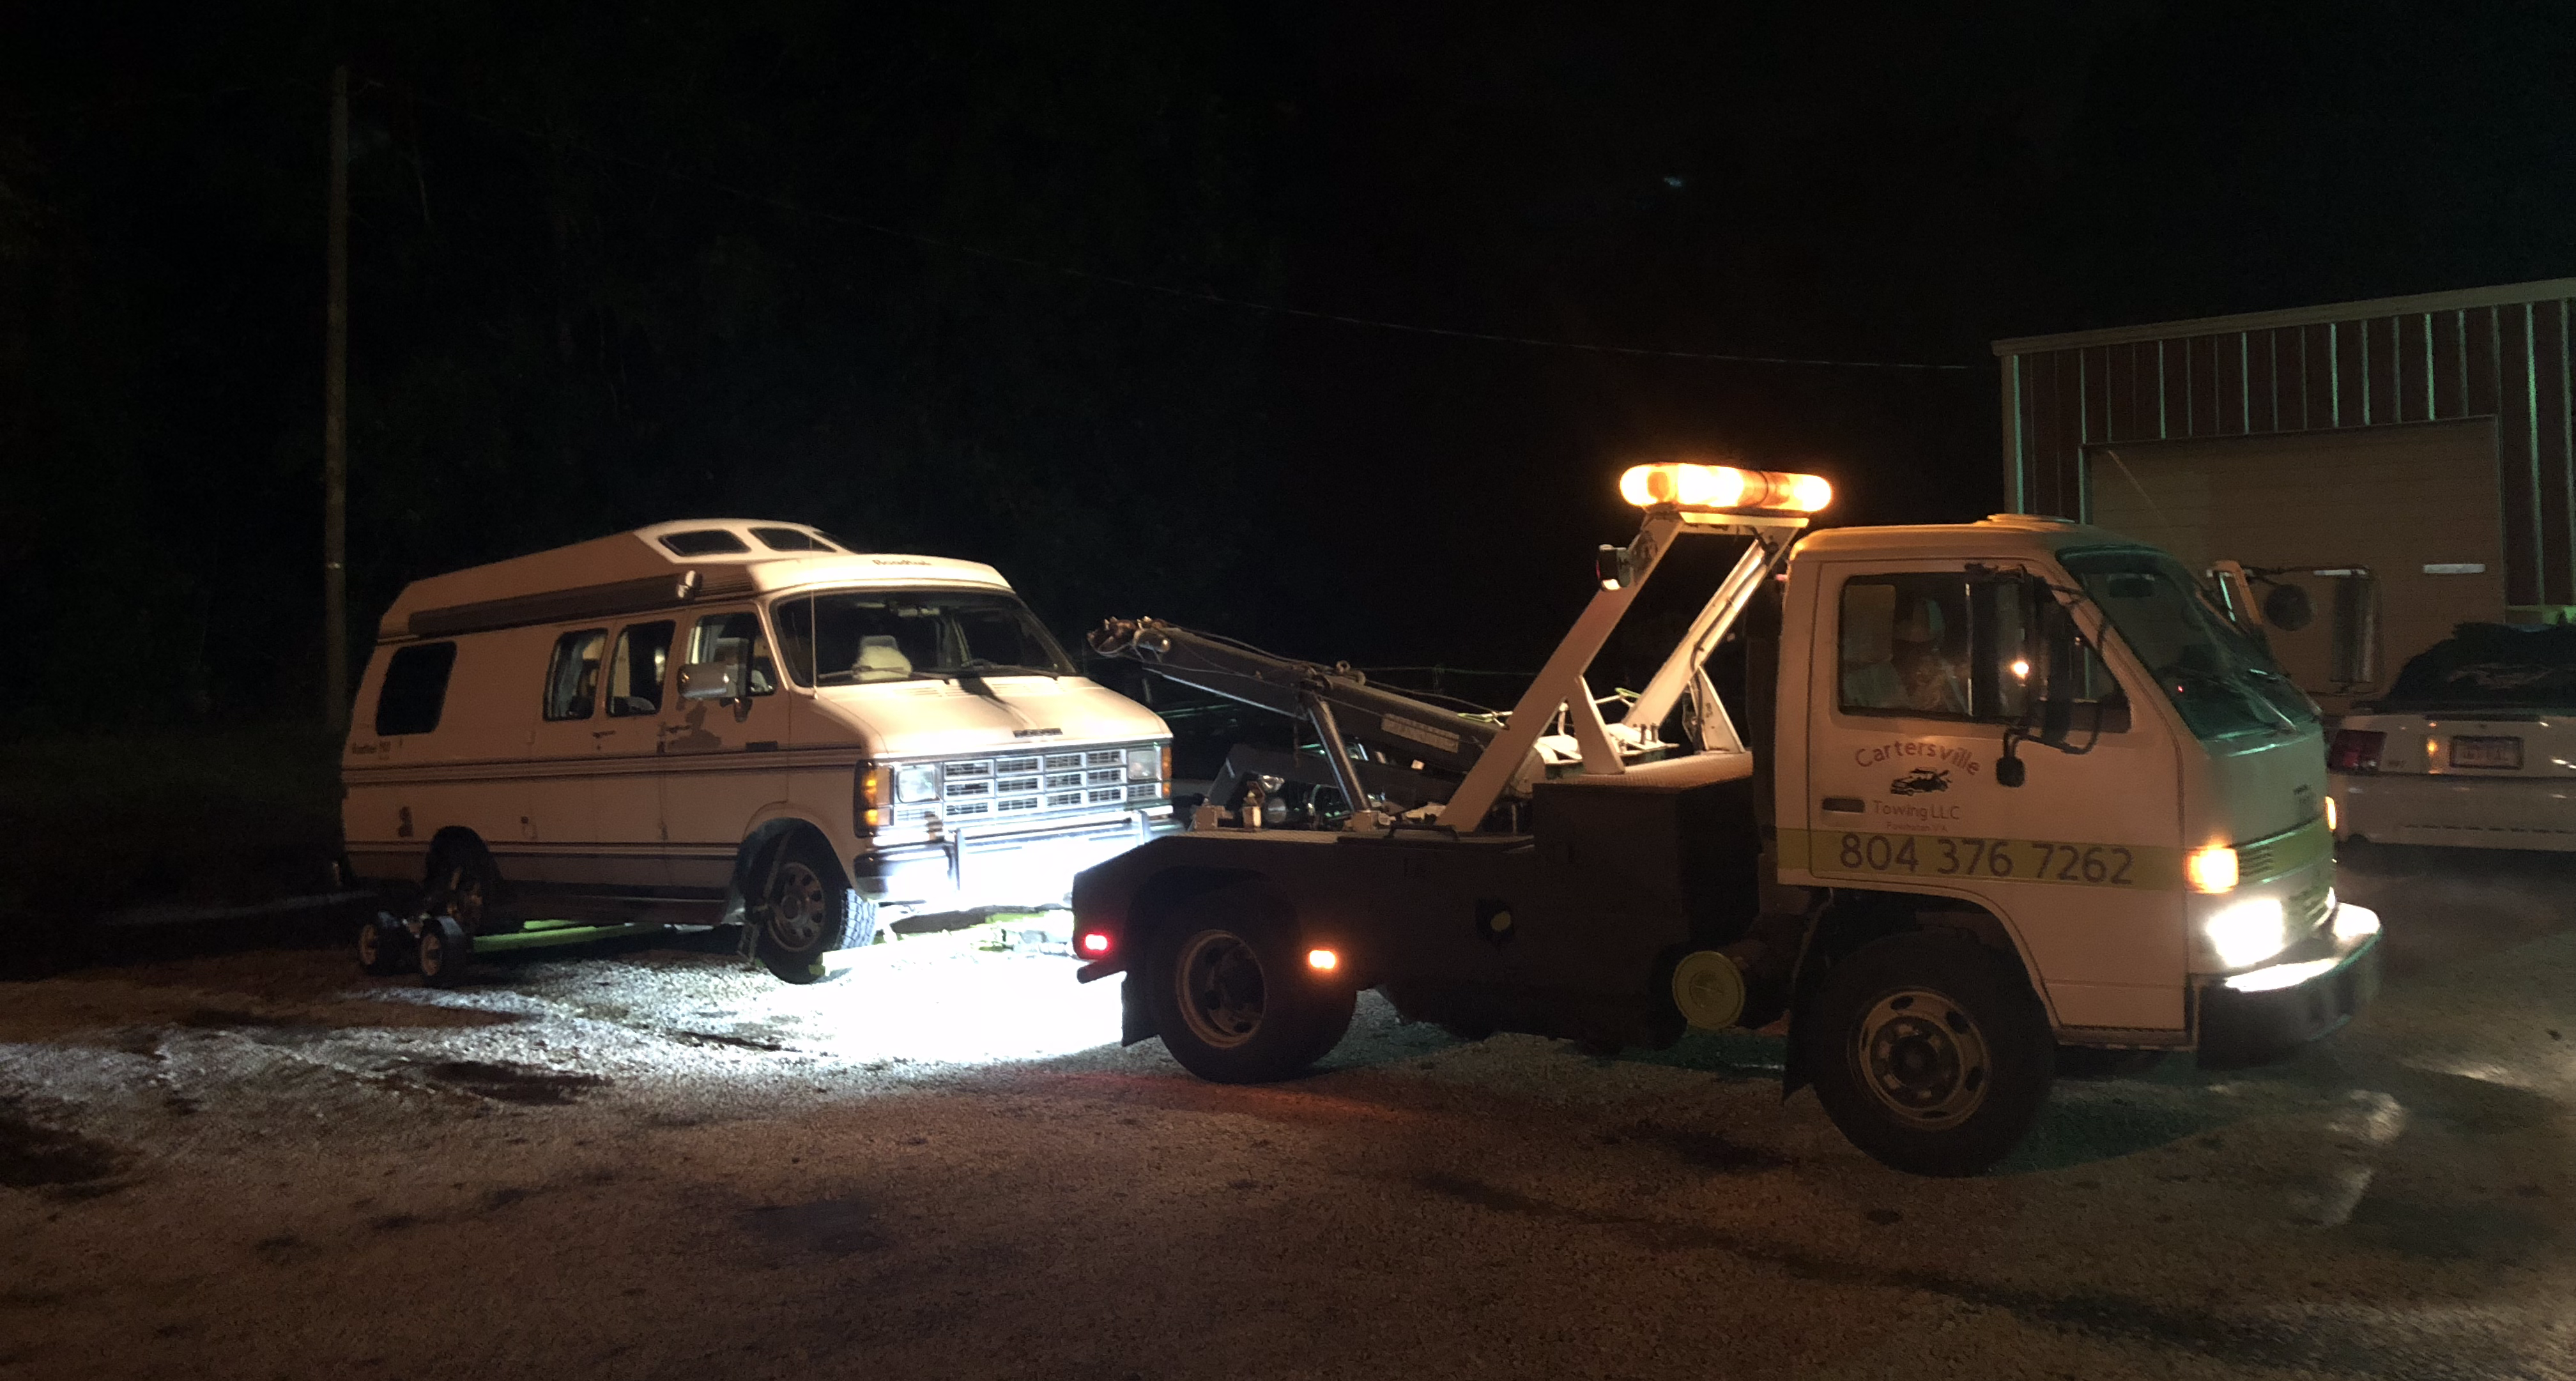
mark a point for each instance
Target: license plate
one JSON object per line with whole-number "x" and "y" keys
{"x": 2486, "y": 752}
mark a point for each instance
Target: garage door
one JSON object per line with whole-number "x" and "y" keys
{"x": 2415, "y": 504}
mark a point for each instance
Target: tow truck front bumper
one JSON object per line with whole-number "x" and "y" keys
{"x": 2307, "y": 994}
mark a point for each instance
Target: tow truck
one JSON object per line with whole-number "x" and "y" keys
{"x": 2008, "y": 795}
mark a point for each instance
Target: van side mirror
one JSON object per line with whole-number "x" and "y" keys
{"x": 717, "y": 681}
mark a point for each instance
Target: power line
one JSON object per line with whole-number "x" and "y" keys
{"x": 1161, "y": 289}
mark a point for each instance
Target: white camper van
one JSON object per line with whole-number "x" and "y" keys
{"x": 728, "y": 720}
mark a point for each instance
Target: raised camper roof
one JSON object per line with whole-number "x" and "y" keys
{"x": 665, "y": 566}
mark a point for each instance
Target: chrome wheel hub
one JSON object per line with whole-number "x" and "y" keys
{"x": 1924, "y": 1058}
{"x": 796, "y": 906}
{"x": 1220, "y": 988}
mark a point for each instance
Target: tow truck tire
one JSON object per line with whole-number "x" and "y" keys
{"x": 1233, "y": 998}
{"x": 1931, "y": 1053}
{"x": 805, "y": 911}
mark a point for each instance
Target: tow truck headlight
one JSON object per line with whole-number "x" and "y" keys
{"x": 2354, "y": 923}
{"x": 916, "y": 781}
{"x": 2247, "y": 932}
{"x": 2212, "y": 869}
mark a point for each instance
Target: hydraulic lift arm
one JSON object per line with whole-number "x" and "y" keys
{"x": 1490, "y": 754}
{"x": 1336, "y": 702}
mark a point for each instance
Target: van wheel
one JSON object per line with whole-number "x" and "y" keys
{"x": 1232, "y": 996}
{"x": 1930, "y": 1053}
{"x": 462, "y": 883}
{"x": 804, "y": 913}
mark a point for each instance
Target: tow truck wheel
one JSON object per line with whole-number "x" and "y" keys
{"x": 804, "y": 912}
{"x": 1930, "y": 1053}
{"x": 1233, "y": 999}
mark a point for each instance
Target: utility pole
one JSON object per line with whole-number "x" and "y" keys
{"x": 335, "y": 421}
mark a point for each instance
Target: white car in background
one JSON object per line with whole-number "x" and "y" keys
{"x": 2474, "y": 745}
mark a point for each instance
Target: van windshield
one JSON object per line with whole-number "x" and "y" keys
{"x": 2223, "y": 682}
{"x": 860, "y": 637}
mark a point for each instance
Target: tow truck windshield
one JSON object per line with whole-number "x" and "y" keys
{"x": 2224, "y": 683}
{"x": 861, "y": 637}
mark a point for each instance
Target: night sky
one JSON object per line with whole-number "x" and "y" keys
{"x": 945, "y": 277}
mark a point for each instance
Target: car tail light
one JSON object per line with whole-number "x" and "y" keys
{"x": 2355, "y": 750}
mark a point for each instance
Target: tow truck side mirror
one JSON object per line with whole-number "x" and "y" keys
{"x": 2057, "y": 661}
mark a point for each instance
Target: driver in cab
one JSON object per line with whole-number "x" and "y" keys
{"x": 1898, "y": 652}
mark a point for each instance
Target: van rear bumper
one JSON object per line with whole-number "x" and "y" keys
{"x": 1025, "y": 868}
{"x": 2266, "y": 1014}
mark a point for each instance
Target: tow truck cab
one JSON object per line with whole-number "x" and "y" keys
{"x": 2005, "y": 789}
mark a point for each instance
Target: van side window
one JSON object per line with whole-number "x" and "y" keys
{"x": 572, "y": 681}
{"x": 635, "y": 673}
{"x": 415, "y": 689}
{"x": 719, "y": 637}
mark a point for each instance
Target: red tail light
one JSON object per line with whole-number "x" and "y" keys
{"x": 2355, "y": 750}
{"x": 1094, "y": 943}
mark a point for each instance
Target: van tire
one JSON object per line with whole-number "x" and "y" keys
{"x": 461, "y": 881}
{"x": 1232, "y": 997}
{"x": 805, "y": 911}
{"x": 1929, "y": 1052}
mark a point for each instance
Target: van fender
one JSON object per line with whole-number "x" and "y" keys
{"x": 771, "y": 825}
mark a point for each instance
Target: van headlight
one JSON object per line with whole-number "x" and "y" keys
{"x": 916, "y": 781}
{"x": 2247, "y": 932}
{"x": 1145, "y": 764}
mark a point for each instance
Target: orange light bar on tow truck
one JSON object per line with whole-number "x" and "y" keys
{"x": 1724, "y": 487}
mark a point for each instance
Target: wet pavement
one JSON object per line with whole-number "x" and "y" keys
{"x": 645, "y": 1160}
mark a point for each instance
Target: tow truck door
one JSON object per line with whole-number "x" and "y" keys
{"x": 2079, "y": 862}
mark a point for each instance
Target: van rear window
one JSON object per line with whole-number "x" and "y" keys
{"x": 415, "y": 689}
{"x": 710, "y": 541}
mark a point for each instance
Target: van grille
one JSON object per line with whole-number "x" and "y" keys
{"x": 1022, "y": 786}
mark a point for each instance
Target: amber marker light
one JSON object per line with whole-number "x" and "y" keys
{"x": 1323, "y": 960}
{"x": 1724, "y": 486}
{"x": 2212, "y": 869}
{"x": 875, "y": 784}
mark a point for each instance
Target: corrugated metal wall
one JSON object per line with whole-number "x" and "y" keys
{"x": 2507, "y": 360}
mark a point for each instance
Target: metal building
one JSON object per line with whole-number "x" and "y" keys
{"x": 2427, "y": 438}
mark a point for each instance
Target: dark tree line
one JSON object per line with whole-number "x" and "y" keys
{"x": 622, "y": 264}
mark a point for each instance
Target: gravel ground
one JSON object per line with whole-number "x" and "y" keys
{"x": 648, "y": 1161}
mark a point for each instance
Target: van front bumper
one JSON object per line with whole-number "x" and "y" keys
{"x": 1031, "y": 868}
{"x": 2266, "y": 1014}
